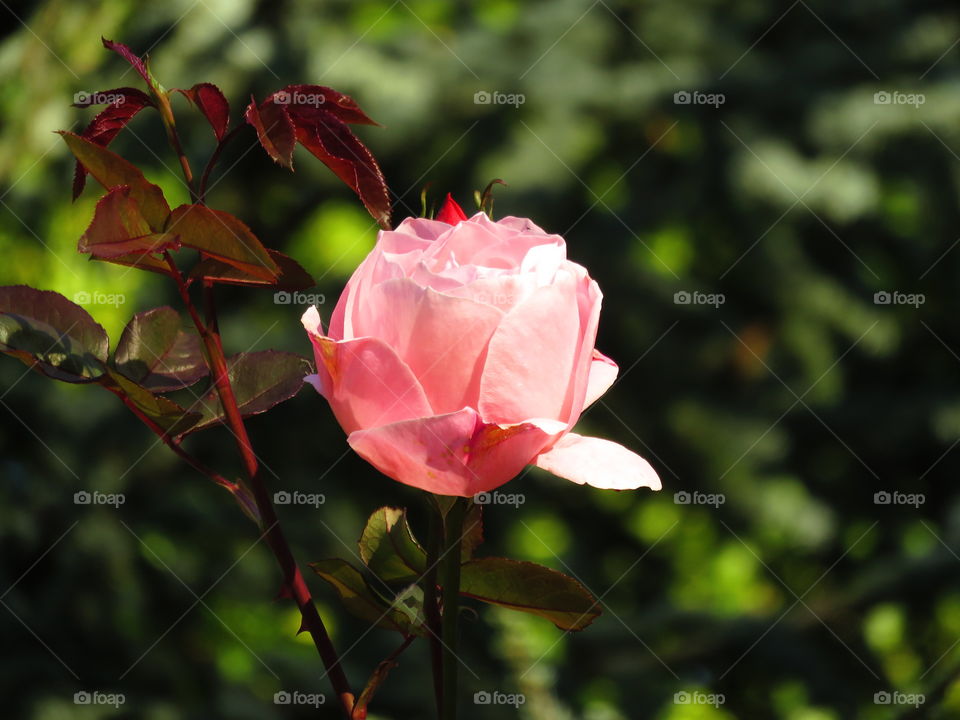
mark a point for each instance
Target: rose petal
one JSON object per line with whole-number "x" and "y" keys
{"x": 531, "y": 356}
{"x": 597, "y": 462}
{"x": 441, "y": 338}
{"x": 364, "y": 381}
{"x": 603, "y": 373}
{"x": 452, "y": 454}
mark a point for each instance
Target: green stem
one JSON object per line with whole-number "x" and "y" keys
{"x": 450, "y": 580}
{"x": 431, "y": 601}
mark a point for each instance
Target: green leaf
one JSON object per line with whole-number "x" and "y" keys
{"x": 224, "y": 237}
{"x": 530, "y": 588}
{"x": 51, "y": 334}
{"x": 361, "y": 601}
{"x": 111, "y": 170}
{"x": 292, "y": 275}
{"x": 118, "y": 229}
{"x": 156, "y": 352}
{"x": 472, "y": 531}
{"x": 174, "y": 419}
{"x": 388, "y": 548}
{"x": 260, "y": 380}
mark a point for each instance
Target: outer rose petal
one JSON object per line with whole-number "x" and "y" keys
{"x": 603, "y": 373}
{"x": 596, "y": 462}
{"x": 531, "y": 356}
{"x": 364, "y": 381}
{"x": 441, "y": 338}
{"x": 453, "y": 454}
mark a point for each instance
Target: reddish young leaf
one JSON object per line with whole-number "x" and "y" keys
{"x": 222, "y": 236}
{"x": 214, "y": 106}
{"x": 118, "y": 229}
{"x": 331, "y": 142}
{"x": 317, "y": 117}
{"x": 451, "y": 213}
{"x": 108, "y": 122}
{"x": 131, "y": 57}
{"x": 274, "y": 128}
{"x": 111, "y": 170}
{"x": 138, "y": 261}
{"x": 51, "y": 334}
{"x": 292, "y": 275}
{"x": 172, "y": 419}
{"x": 306, "y": 100}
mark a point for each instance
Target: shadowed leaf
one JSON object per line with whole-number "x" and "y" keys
{"x": 530, "y": 588}
{"x": 275, "y": 130}
{"x": 157, "y": 353}
{"x": 292, "y": 275}
{"x": 172, "y": 418}
{"x": 260, "y": 380}
{"x": 51, "y": 334}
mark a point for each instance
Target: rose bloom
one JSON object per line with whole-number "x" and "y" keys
{"x": 462, "y": 350}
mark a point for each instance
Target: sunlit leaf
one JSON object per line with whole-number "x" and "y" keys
{"x": 274, "y": 129}
{"x": 292, "y": 275}
{"x": 530, "y": 588}
{"x": 111, "y": 170}
{"x": 51, "y": 334}
{"x": 222, "y": 236}
{"x": 157, "y": 353}
{"x": 119, "y": 229}
{"x": 388, "y": 548}
{"x": 360, "y": 600}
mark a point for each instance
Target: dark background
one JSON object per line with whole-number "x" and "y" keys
{"x": 798, "y": 398}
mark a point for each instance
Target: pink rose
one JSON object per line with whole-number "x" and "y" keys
{"x": 461, "y": 350}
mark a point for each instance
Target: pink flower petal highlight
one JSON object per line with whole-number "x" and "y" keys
{"x": 597, "y": 462}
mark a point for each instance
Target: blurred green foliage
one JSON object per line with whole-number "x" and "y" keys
{"x": 798, "y": 398}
